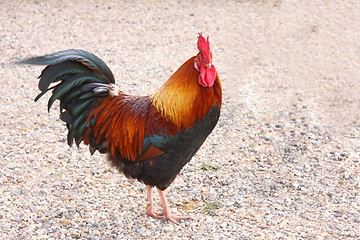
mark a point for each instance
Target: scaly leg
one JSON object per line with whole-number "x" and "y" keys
{"x": 172, "y": 217}
{"x": 150, "y": 207}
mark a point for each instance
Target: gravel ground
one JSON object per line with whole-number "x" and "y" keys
{"x": 283, "y": 162}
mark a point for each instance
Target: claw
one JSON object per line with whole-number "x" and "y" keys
{"x": 175, "y": 217}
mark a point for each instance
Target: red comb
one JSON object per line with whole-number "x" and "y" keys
{"x": 203, "y": 45}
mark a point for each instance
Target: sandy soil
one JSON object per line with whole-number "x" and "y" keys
{"x": 283, "y": 162}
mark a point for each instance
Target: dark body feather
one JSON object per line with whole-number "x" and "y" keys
{"x": 149, "y": 138}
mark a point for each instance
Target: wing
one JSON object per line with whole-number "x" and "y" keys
{"x": 117, "y": 125}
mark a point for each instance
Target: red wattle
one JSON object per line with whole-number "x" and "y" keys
{"x": 207, "y": 76}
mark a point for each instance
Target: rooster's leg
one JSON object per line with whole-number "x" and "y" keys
{"x": 172, "y": 217}
{"x": 150, "y": 206}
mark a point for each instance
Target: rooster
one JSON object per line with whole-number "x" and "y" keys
{"x": 148, "y": 138}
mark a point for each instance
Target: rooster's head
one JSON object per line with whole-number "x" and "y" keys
{"x": 203, "y": 63}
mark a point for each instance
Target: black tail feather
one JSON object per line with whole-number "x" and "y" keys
{"x": 84, "y": 57}
{"x": 83, "y": 79}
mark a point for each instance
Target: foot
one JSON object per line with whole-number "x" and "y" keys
{"x": 150, "y": 207}
{"x": 151, "y": 212}
{"x": 174, "y": 217}
{"x": 168, "y": 215}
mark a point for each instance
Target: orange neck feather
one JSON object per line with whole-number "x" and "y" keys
{"x": 182, "y": 100}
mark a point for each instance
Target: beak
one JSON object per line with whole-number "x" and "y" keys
{"x": 208, "y": 65}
